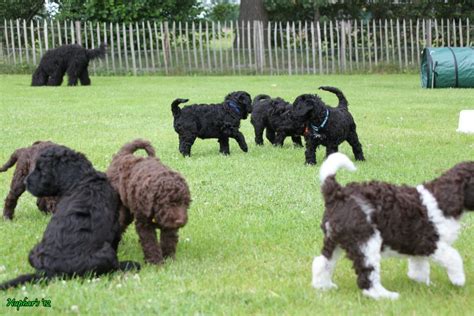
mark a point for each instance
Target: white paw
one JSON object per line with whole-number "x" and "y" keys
{"x": 324, "y": 286}
{"x": 458, "y": 280}
{"x": 419, "y": 278}
{"x": 380, "y": 293}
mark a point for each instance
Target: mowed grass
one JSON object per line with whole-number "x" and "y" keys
{"x": 254, "y": 221}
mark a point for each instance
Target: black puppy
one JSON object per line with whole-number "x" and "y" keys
{"x": 274, "y": 116}
{"x": 71, "y": 59}
{"x": 83, "y": 234}
{"x": 221, "y": 121}
{"x": 325, "y": 125}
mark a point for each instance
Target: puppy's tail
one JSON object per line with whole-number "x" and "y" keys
{"x": 97, "y": 52}
{"x": 333, "y": 163}
{"x": 342, "y": 99}
{"x": 135, "y": 145}
{"x": 11, "y": 162}
{"x": 23, "y": 279}
{"x": 175, "y": 106}
{"x": 261, "y": 97}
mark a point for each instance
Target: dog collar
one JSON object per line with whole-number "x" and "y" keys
{"x": 317, "y": 128}
{"x": 233, "y": 105}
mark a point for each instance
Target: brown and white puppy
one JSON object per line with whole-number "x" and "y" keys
{"x": 152, "y": 194}
{"x": 371, "y": 219}
{"x": 25, "y": 159}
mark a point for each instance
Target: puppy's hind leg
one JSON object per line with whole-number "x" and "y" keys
{"x": 297, "y": 141}
{"x": 17, "y": 188}
{"x": 323, "y": 265}
{"x": 366, "y": 259}
{"x": 258, "y": 127}
{"x": 331, "y": 149}
{"x": 185, "y": 144}
{"x": 419, "y": 269}
{"x": 353, "y": 140}
{"x": 270, "y": 135}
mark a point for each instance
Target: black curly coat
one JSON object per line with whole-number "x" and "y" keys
{"x": 221, "y": 121}
{"x": 326, "y": 125}
{"x": 71, "y": 59}
{"x": 274, "y": 117}
{"x": 83, "y": 234}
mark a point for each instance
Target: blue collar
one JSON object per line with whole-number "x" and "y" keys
{"x": 233, "y": 105}
{"x": 317, "y": 128}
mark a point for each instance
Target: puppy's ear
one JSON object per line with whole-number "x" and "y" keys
{"x": 469, "y": 194}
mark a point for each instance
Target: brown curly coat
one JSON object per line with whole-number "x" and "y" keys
{"x": 153, "y": 194}
{"x": 25, "y": 158}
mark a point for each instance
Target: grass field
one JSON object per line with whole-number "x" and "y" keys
{"x": 254, "y": 220}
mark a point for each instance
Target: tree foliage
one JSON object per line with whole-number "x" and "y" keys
{"x": 223, "y": 11}
{"x": 24, "y": 9}
{"x": 286, "y": 10}
{"x": 128, "y": 10}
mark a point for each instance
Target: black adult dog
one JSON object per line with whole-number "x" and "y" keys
{"x": 83, "y": 234}
{"x": 326, "y": 125}
{"x": 71, "y": 59}
{"x": 221, "y": 121}
{"x": 273, "y": 115}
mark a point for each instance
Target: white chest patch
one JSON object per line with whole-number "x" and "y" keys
{"x": 447, "y": 227}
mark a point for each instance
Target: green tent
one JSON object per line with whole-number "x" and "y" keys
{"x": 447, "y": 67}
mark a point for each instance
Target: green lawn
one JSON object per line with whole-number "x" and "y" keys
{"x": 254, "y": 220}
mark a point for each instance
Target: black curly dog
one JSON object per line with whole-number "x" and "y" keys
{"x": 273, "y": 115}
{"x": 221, "y": 121}
{"x": 83, "y": 235}
{"x": 325, "y": 125}
{"x": 71, "y": 59}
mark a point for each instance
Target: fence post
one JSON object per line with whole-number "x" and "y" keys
{"x": 188, "y": 50}
{"x": 33, "y": 46}
{"x": 164, "y": 47}
{"x": 157, "y": 42}
{"x": 12, "y": 41}
{"x": 332, "y": 45}
{"x": 132, "y": 48}
{"x": 25, "y": 39}
{"x": 125, "y": 49}
{"x": 275, "y": 40}
{"x": 405, "y": 43}
{"x": 78, "y": 32}
{"x": 399, "y": 45}
{"x": 356, "y": 44}
{"x": 145, "y": 47}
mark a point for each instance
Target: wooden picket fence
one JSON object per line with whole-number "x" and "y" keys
{"x": 234, "y": 47}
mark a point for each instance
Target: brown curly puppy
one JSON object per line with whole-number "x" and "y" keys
{"x": 25, "y": 159}
{"x": 153, "y": 194}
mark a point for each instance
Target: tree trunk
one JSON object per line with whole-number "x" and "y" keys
{"x": 251, "y": 10}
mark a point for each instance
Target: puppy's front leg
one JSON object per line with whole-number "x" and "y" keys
{"x": 310, "y": 152}
{"x": 239, "y": 137}
{"x": 280, "y": 138}
{"x": 168, "y": 242}
{"x": 451, "y": 260}
{"x": 151, "y": 248}
{"x": 224, "y": 145}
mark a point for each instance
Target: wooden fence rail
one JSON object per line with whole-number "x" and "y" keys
{"x": 238, "y": 47}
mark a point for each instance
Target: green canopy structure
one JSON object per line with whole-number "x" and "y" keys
{"x": 447, "y": 67}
